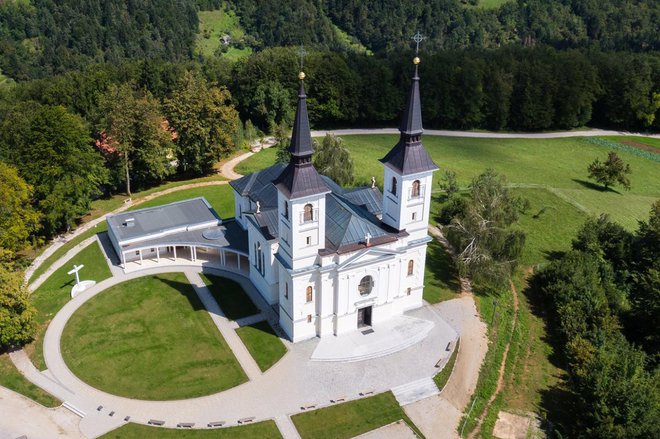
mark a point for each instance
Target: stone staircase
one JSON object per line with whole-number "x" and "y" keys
{"x": 415, "y": 391}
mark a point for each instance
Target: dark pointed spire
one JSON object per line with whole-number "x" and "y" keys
{"x": 409, "y": 155}
{"x": 300, "y": 178}
{"x": 411, "y": 122}
{"x": 301, "y": 137}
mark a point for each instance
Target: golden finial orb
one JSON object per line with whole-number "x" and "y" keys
{"x": 301, "y": 75}
{"x": 416, "y": 60}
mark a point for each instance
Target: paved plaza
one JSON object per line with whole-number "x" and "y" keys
{"x": 298, "y": 380}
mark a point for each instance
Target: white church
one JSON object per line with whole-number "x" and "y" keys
{"x": 337, "y": 259}
{"x": 330, "y": 259}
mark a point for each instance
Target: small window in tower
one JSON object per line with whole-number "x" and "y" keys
{"x": 308, "y": 295}
{"x": 414, "y": 216}
{"x": 408, "y": 291}
{"x": 309, "y": 318}
{"x": 393, "y": 186}
{"x": 308, "y": 214}
{"x": 286, "y": 209}
{"x": 416, "y": 186}
{"x": 309, "y": 240}
{"x": 286, "y": 290}
{"x": 411, "y": 267}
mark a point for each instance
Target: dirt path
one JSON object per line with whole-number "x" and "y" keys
{"x": 500, "y": 378}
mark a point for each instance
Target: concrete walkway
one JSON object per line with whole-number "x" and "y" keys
{"x": 23, "y": 417}
{"x": 295, "y": 381}
{"x": 224, "y": 325}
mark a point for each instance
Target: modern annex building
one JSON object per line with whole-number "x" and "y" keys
{"x": 330, "y": 259}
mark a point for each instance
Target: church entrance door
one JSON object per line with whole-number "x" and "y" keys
{"x": 364, "y": 317}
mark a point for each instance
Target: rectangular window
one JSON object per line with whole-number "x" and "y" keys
{"x": 414, "y": 216}
{"x": 309, "y": 318}
{"x": 309, "y": 240}
{"x": 308, "y": 295}
{"x": 408, "y": 291}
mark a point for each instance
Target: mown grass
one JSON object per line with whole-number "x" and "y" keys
{"x": 263, "y": 344}
{"x": 12, "y": 379}
{"x": 260, "y": 430}
{"x": 150, "y": 338}
{"x": 55, "y": 292}
{"x": 349, "y": 419}
{"x": 212, "y": 26}
{"x": 231, "y": 297}
{"x": 219, "y": 196}
{"x": 442, "y": 377}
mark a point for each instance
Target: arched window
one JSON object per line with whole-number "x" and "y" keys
{"x": 366, "y": 285}
{"x": 308, "y": 215}
{"x": 411, "y": 267}
{"x": 309, "y": 294}
{"x": 416, "y": 186}
{"x": 286, "y": 209}
{"x": 393, "y": 185}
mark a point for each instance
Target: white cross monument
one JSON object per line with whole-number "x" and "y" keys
{"x": 79, "y": 287}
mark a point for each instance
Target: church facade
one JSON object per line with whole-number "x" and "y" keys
{"x": 333, "y": 259}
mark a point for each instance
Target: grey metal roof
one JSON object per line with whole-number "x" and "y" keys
{"x": 258, "y": 186}
{"x": 230, "y": 235}
{"x": 347, "y": 225}
{"x": 300, "y": 180}
{"x": 266, "y": 222}
{"x": 161, "y": 219}
{"x": 409, "y": 157}
{"x": 370, "y": 198}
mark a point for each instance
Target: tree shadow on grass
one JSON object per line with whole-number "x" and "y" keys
{"x": 553, "y": 255}
{"x": 558, "y": 404}
{"x": 442, "y": 266}
{"x": 594, "y": 186}
{"x": 186, "y": 290}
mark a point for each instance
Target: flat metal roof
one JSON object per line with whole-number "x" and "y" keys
{"x": 153, "y": 222}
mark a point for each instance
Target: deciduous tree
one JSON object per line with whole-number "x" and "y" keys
{"x": 204, "y": 119}
{"x": 612, "y": 171}
{"x": 331, "y": 158}
{"x": 17, "y": 315}
{"x": 18, "y": 220}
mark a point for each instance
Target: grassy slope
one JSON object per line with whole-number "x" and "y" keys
{"x": 56, "y": 292}
{"x": 350, "y": 419}
{"x": 261, "y": 430}
{"x": 441, "y": 278}
{"x": 231, "y": 297}
{"x": 264, "y": 345}
{"x": 117, "y": 342}
{"x": 12, "y": 379}
{"x": 215, "y": 24}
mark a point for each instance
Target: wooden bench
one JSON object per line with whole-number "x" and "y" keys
{"x": 215, "y": 424}
{"x": 185, "y": 424}
{"x": 246, "y": 420}
{"x": 370, "y": 392}
{"x": 156, "y": 422}
{"x": 341, "y": 399}
{"x": 308, "y": 407}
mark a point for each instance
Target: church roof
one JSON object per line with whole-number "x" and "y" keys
{"x": 347, "y": 226}
{"x": 258, "y": 186}
{"x": 266, "y": 222}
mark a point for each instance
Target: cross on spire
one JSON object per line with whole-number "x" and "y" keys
{"x": 417, "y": 38}
{"x": 302, "y": 54}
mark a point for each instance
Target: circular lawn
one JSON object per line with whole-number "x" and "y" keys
{"x": 149, "y": 338}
